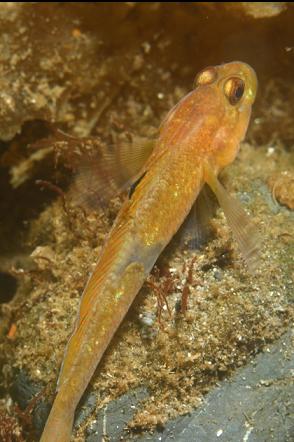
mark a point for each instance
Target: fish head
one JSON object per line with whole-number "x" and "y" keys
{"x": 236, "y": 81}
{"x": 232, "y": 87}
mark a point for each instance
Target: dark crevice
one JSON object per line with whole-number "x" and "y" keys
{"x": 23, "y": 203}
{"x": 8, "y": 287}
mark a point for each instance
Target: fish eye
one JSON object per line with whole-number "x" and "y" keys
{"x": 234, "y": 89}
{"x": 205, "y": 77}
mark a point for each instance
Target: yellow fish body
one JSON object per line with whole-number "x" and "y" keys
{"x": 198, "y": 138}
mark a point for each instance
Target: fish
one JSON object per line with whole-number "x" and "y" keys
{"x": 197, "y": 139}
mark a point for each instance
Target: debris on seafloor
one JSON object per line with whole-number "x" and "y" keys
{"x": 108, "y": 85}
{"x": 282, "y": 187}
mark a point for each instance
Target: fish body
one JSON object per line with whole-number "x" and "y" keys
{"x": 197, "y": 139}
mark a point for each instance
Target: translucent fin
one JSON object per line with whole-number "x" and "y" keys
{"x": 105, "y": 172}
{"x": 196, "y": 230}
{"x": 244, "y": 231}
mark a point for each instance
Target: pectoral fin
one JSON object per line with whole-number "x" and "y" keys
{"x": 196, "y": 229}
{"x": 109, "y": 171}
{"x": 244, "y": 231}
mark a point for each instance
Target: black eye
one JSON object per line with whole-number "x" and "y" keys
{"x": 234, "y": 90}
